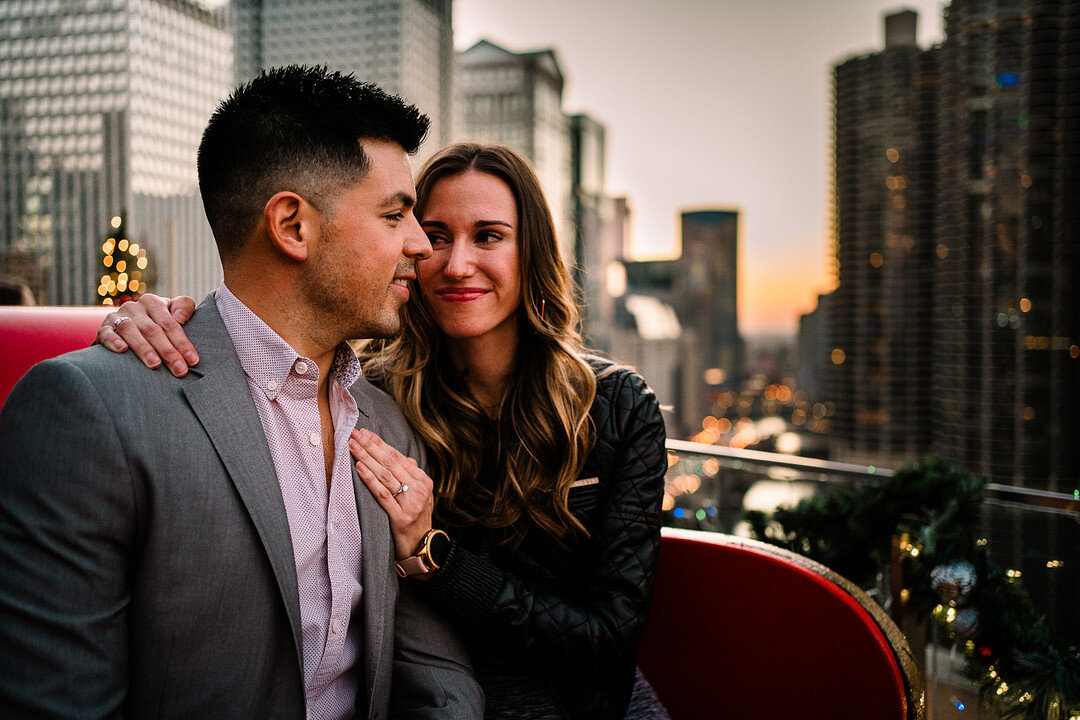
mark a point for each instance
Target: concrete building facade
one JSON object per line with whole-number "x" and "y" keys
{"x": 102, "y": 105}
{"x": 593, "y": 220}
{"x": 515, "y": 99}
{"x": 404, "y": 46}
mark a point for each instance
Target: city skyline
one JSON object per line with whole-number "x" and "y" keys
{"x": 764, "y": 147}
{"x": 643, "y": 70}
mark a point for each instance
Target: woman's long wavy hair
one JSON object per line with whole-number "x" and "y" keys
{"x": 543, "y": 426}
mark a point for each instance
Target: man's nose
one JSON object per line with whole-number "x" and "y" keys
{"x": 417, "y": 245}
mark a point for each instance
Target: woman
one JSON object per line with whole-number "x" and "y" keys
{"x": 548, "y": 463}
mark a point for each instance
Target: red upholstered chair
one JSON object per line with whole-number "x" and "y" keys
{"x": 742, "y": 629}
{"x": 738, "y": 629}
{"x": 29, "y": 335}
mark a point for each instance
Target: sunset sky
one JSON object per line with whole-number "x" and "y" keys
{"x": 711, "y": 102}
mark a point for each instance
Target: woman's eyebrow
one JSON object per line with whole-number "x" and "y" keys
{"x": 478, "y": 223}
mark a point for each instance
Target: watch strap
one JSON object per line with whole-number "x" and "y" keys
{"x": 413, "y": 565}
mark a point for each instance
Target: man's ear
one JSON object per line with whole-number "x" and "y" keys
{"x": 292, "y": 224}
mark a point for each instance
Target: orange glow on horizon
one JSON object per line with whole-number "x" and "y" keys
{"x": 775, "y": 289}
{"x": 771, "y": 298}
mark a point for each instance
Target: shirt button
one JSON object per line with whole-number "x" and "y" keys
{"x": 271, "y": 386}
{"x": 330, "y": 529}
{"x": 335, "y": 626}
{"x": 313, "y": 438}
{"x": 301, "y": 367}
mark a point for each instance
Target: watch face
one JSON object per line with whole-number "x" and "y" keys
{"x": 438, "y": 548}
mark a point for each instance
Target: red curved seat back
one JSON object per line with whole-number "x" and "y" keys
{"x": 737, "y": 631}
{"x": 29, "y": 335}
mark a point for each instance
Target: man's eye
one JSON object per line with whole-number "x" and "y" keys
{"x": 396, "y": 217}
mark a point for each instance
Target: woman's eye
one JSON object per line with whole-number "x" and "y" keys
{"x": 436, "y": 239}
{"x": 483, "y": 237}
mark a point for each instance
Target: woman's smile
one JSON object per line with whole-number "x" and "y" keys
{"x": 461, "y": 294}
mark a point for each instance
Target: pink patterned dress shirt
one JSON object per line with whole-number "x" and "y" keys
{"x": 323, "y": 523}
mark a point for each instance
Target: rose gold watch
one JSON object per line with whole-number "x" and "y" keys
{"x": 434, "y": 548}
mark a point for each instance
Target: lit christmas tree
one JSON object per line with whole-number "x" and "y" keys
{"x": 124, "y": 265}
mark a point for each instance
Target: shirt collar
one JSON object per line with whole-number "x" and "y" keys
{"x": 265, "y": 357}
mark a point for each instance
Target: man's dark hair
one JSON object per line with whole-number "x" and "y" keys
{"x": 294, "y": 128}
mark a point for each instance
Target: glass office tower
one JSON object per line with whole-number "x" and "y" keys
{"x": 102, "y": 105}
{"x": 404, "y": 46}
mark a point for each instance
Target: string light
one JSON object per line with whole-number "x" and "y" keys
{"x": 118, "y": 280}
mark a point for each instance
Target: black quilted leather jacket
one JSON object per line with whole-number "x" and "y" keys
{"x": 572, "y": 612}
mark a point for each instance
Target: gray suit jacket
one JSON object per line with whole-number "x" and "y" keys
{"x": 146, "y": 566}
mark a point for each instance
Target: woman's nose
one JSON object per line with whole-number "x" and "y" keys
{"x": 460, "y": 261}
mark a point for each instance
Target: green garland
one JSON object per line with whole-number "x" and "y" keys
{"x": 1021, "y": 672}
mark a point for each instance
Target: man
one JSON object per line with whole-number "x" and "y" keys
{"x": 201, "y": 547}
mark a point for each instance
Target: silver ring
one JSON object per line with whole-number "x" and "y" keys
{"x": 403, "y": 488}
{"x": 119, "y": 321}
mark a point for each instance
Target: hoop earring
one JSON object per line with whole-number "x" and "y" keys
{"x": 543, "y": 304}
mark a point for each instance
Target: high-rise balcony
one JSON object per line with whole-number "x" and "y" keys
{"x": 1032, "y": 536}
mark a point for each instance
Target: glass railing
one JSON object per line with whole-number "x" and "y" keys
{"x": 1034, "y": 535}
{"x": 709, "y": 487}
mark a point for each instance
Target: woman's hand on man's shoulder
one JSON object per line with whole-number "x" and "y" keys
{"x": 151, "y": 327}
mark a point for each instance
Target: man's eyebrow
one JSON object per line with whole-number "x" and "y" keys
{"x": 399, "y": 198}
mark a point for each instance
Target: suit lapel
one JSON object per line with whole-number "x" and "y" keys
{"x": 221, "y": 399}
{"x": 376, "y": 556}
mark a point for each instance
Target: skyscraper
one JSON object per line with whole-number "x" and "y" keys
{"x": 706, "y": 287}
{"x": 880, "y": 334}
{"x": 102, "y": 106}
{"x": 956, "y": 326}
{"x": 813, "y": 351}
{"x": 593, "y": 224}
{"x": 1008, "y": 261}
{"x": 404, "y": 46}
{"x": 515, "y": 99}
